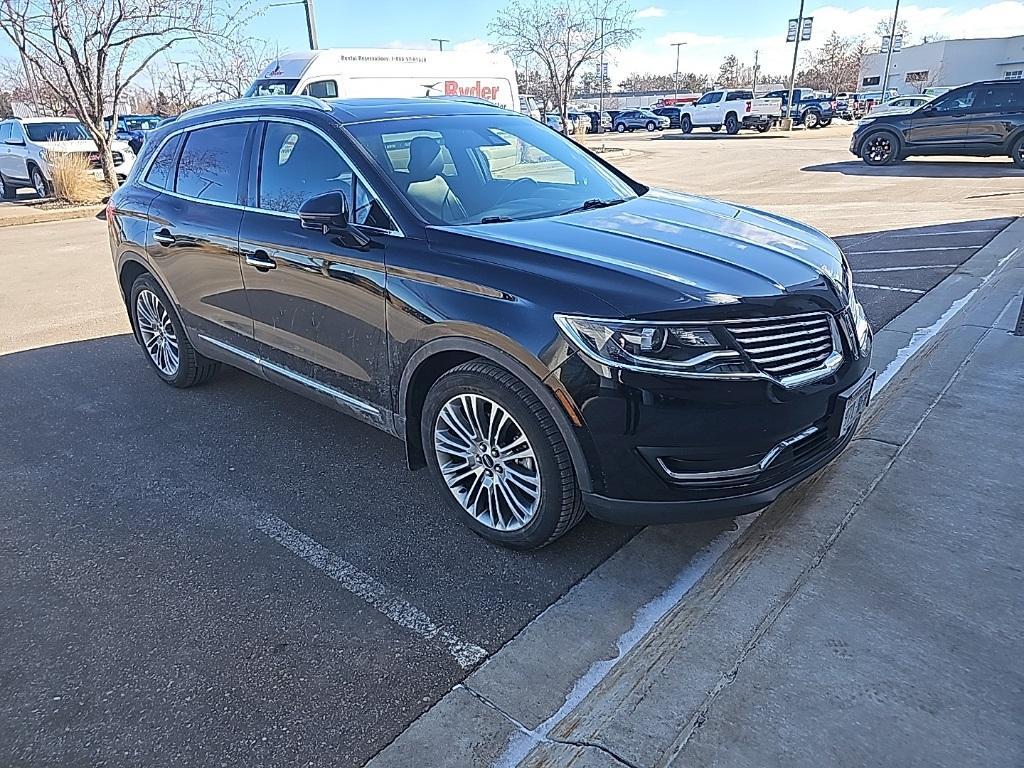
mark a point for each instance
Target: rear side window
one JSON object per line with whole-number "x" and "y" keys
{"x": 998, "y": 98}
{"x": 211, "y": 163}
{"x": 322, "y": 89}
{"x": 161, "y": 171}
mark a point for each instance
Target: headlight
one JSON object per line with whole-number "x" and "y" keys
{"x": 679, "y": 349}
{"x": 861, "y": 328}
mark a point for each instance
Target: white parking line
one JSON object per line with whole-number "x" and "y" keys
{"x": 890, "y": 288}
{"x": 368, "y": 589}
{"x": 918, "y": 250}
{"x": 901, "y": 269}
{"x": 955, "y": 232}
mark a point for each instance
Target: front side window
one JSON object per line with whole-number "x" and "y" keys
{"x": 506, "y": 167}
{"x": 69, "y": 130}
{"x": 710, "y": 98}
{"x": 163, "y": 164}
{"x": 296, "y": 164}
{"x": 957, "y": 101}
{"x": 322, "y": 89}
{"x": 211, "y": 163}
{"x": 5, "y": 132}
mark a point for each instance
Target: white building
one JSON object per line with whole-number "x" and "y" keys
{"x": 946, "y": 63}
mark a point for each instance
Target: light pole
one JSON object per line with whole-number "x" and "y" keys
{"x": 888, "y": 56}
{"x": 753, "y": 89}
{"x": 792, "y": 74}
{"x": 675, "y": 80}
{"x": 600, "y": 75}
{"x": 181, "y": 85}
{"x": 440, "y": 42}
{"x": 310, "y": 19}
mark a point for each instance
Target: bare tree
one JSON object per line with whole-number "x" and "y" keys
{"x": 43, "y": 100}
{"x": 228, "y": 69}
{"x": 563, "y": 35}
{"x": 92, "y": 50}
{"x": 834, "y": 66}
{"x": 884, "y": 28}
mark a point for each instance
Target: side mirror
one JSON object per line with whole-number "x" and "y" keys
{"x": 329, "y": 214}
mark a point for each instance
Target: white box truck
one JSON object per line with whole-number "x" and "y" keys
{"x": 390, "y": 72}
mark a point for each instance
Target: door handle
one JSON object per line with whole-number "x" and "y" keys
{"x": 164, "y": 237}
{"x": 261, "y": 260}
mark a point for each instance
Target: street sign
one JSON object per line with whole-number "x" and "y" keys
{"x": 805, "y": 31}
{"x": 794, "y": 25}
{"x": 896, "y": 43}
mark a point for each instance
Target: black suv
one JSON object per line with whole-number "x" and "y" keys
{"x": 546, "y": 335}
{"x": 982, "y": 120}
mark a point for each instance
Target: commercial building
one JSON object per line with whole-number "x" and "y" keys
{"x": 946, "y": 63}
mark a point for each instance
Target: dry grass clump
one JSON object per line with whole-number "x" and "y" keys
{"x": 72, "y": 180}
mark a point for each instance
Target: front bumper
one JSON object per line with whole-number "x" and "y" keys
{"x": 663, "y": 449}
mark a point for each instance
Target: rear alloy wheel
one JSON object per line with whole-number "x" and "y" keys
{"x": 732, "y": 125}
{"x": 499, "y": 457}
{"x": 686, "y": 124}
{"x": 879, "y": 149}
{"x": 39, "y": 183}
{"x": 650, "y": 126}
{"x": 621, "y": 127}
{"x": 811, "y": 120}
{"x": 1018, "y": 153}
{"x": 163, "y": 338}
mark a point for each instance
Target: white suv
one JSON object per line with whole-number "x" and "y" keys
{"x": 27, "y": 144}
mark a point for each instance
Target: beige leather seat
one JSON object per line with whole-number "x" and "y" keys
{"x": 427, "y": 188}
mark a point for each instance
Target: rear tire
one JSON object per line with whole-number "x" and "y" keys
{"x": 1017, "y": 153}
{"x": 174, "y": 359}
{"x": 685, "y": 124}
{"x": 457, "y": 419}
{"x": 620, "y": 128}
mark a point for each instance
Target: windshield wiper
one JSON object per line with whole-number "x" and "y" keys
{"x": 495, "y": 219}
{"x": 595, "y": 202}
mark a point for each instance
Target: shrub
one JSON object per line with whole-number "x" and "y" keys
{"x": 72, "y": 180}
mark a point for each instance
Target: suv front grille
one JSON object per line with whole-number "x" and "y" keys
{"x": 783, "y": 347}
{"x": 94, "y": 159}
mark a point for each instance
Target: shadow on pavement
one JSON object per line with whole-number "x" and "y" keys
{"x": 948, "y": 169}
{"x": 704, "y": 135}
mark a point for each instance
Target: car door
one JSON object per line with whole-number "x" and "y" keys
{"x": 942, "y": 124}
{"x": 16, "y": 159}
{"x": 317, "y": 300}
{"x": 192, "y": 236}
{"x": 5, "y": 150}
{"x": 991, "y": 120}
{"x": 705, "y": 110}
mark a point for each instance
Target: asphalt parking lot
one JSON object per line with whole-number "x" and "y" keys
{"x": 234, "y": 574}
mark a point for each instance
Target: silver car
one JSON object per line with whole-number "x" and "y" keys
{"x": 631, "y": 119}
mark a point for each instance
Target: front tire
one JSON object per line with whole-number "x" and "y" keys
{"x": 650, "y": 126}
{"x": 732, "y": 125}
{"x": 686, "y": 124}
{"x": 811, "y": 120}
{"x": 7, "y": 191}
{"x": 880, "y": 148}
{"x": 163, "y": 338}
{"x": 499, "y": 457}
{"x": 1017, "y": 153}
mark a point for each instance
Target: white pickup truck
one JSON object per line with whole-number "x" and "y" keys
{"x": 731, "y": 108}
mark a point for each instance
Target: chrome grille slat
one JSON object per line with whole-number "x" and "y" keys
{"x": 805, "y": 353}
{"x": 787, "y": 347}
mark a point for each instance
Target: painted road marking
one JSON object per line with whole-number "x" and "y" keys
{"x": 958, "y": 232}
{"x": 369, "y": 590}
{"x": 918, "y": 250}
{"x": 890, "y": 288}
{"x": 901, "y": 269}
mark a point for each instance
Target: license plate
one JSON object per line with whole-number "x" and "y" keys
{"x": 854, "y": 404}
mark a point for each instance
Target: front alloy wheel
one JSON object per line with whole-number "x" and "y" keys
{"x": 39, "y": 183}
{"x": 499, "y": 456}
{"x": 878, "y": 149}
{"x": 1018, "y": 153}
{"x": 811, "y": 120}
{"x": 487, "y": 462}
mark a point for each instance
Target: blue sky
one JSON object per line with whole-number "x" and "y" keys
{"x": 711, "y": 29}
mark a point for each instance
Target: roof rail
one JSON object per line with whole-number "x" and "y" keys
{"x": 311, "y": 102}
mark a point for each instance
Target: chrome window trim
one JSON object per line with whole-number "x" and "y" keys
{"x": 337, "y": 394}
{"x": 740, "y": 472}
{"x": 397, "y": 232}
{"x": 828, "y": 366}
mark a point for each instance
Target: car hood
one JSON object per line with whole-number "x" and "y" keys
{"x": 666, "y": 252}
{"x": 80, "y": 145}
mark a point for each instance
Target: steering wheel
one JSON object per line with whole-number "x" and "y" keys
{"x": 523, "y": 184}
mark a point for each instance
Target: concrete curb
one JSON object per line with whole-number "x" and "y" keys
{"x": 611, "y": 674}
{"x": 18, "y": 216}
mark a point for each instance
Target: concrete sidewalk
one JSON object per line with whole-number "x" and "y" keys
{"x": 876, "y": 617}
{"x": 14, "y": 213}
{"x": 871, "y": 616}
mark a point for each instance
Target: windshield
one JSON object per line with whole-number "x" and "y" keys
{"x": 272, "y": 88}
{"x": 470, "y": 169}
{"x": 70, "y": 130}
